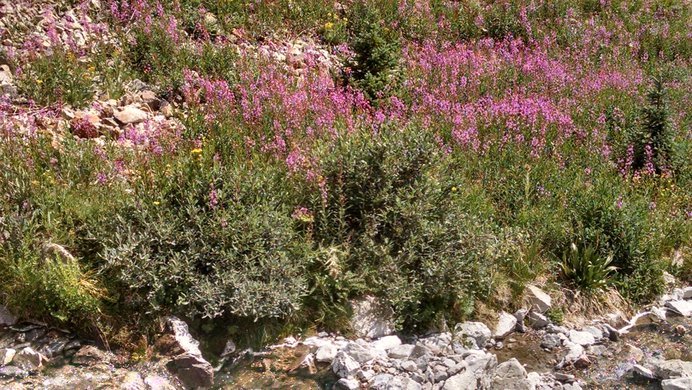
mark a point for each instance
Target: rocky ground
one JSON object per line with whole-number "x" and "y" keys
{"x": 523, "y": 350}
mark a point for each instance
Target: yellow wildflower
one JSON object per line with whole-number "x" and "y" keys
{"x": 156, "y": 203}
{"x": 196, "y": 151}
{"x": 454, "y": 189}
{"x": 39, "y": 81}
{"x": 328, "y": 25}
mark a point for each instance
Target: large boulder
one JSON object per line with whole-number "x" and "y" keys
{"x": 674, "y": 368}
{"x": 344, "y": 365}
{"x": 581, "y": 338}
{"x": 371, "y": 318}
{"x": 464, "y": 381}
{"x": 682, "y": 307}
{"x": 476, "y": 331}
{"x": 192, "y": 370}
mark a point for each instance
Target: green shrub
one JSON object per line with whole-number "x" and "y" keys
{"x": 377, "y": 52}
{"x": 586, "y": 269}
{"x": 59, "y": 77}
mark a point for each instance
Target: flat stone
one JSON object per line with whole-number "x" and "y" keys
{"x": 505, "y": 325}
{"x": 677, "y": 384}
{"x": 402, "y": 351}
{"x": 687, "y": 293}
{"x": 674, "y": 368}
{"x": 682, "y": 307}
{"x": 326, "y": 353}
{"x": 477, "y": 331}
{"x": 539, "y": 300}
{"x": 386, "y": 343}
{"x": 581, "y": 338}
{"x": 130, "y": 115}
{"x": 344, "y": 365}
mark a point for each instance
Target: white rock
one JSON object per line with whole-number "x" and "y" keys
{"x": 371, "y": 318}
{"x": 539, "y": 300}
{"x": 326, "y": 353}
{"x": 156, "y": 382}
{"x": 642, "y": 371}
{"x": 403, "y": 383}
{"x": 386, "y": 343}
{"x": 344, "y": 365}
{"x": 6, "y": 356}
{"x": 132, "y": 381}
{"x": 347, "y": 384}
{"x": 505, "y": 325}
{"x": 365, "y": 375}
{"x": 478, "y": 331}
{"x": 581, "y": 338}
{"x": 463, "y": 381}
{"x": 479, "y": 361}
{"x": 401, "y": 352}
{"x": 683, "y": 308}
{"x": 380, "y": 382}
{"x": 574, "y": 352}
{"x": 596, "y": 332}
{"x": 677, "y": 384}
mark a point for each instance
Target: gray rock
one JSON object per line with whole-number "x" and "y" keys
{"x": 344, "y": 365}
{"x": 440, "y": 373}
{"x": 6, "y": 356}
{"x": 28, "y": 359}
{"x": 130, "y": 115}
{"x": 362, "y": 352}
{"x": 409, "y": 365}
{"x": 365, "y": 375}
{"x": 581, "y": 338}
{"x": 380, "y": 382}
{"x": 52, "y": 250}
{"x": 464, "y": 381}
{"x": 595, "y": 332}
{"x": 520, "y": 315}
{"x": 571, "y": 386}
{"x": 89, "y": 355}
{"x": 505, "y": 325}
{"x": 402, "y": 351}
{"x": 132, "y": 381}
{"x": 510, "y": 375}
{"x": 677, "y": 384}
{"x": 387, "y": 342}
{"x": 597, "y": 350}
{"x": 12, "y": 372}
{"x": 551, "y": 341}
{"x": 477, "y": 331}
{"x": 574, "y": 353}
{"x": 613, "y": 334}
{"x": 643, "y": 372}
{"x": 181, "y": 333}
{"x": 371, "y": 318}
{"x": 564, "y": 378}
{"x": 537, "y": 320}
{"x": 670, "y": 369}
{"x": 326, "y": 353}
{"x": 682, "y": 307}
{"x": 479, "y": 362}
{"x": 192, "y": 370}
{"x": 347, "y": 384}
{"x": 403, "y": 383}
{"x": 539, "y": 300}
{"x": 6, "y": 318}
{"x": 687, "y": 292}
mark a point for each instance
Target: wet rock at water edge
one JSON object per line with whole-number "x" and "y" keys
{"x": 476, "y": 331}
{"x": 537, "y": 320}
{"x": 681, "y": 307}
{"x": 132, "y": 381}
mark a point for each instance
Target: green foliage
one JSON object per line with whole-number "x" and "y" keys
{"x": 585, "y": 269}
{"x": 59, "y": 77}
{"x": 377, "y": 52}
